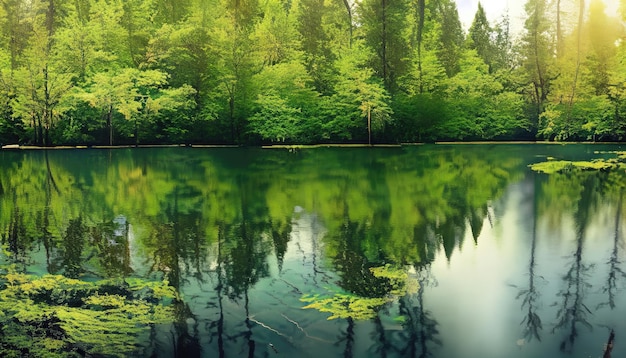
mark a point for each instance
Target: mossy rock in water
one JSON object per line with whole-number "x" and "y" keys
{"x": 54, "y": 316}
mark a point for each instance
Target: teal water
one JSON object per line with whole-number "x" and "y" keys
{"x": 448, "y": 251}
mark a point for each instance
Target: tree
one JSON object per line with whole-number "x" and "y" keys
{"x": 579, "y": 45}
{"x": 315, "y": 42}
{"x": 417, "y": 17}
{"x": 450, "y": 36}
{"x": 76, "y": 44}
{"x": 480, "y": 37}
{"x": 120, "y": 92}
{"x": 426, "y": 76}
{"x": 286, "y": 99}
{"x": 480, "y": 107}
{"x": 138, "y": 19}
{"x": 383, "y": 26}
{"x": 360, "y": 93}
{"x": 537, "y": 53}
{"x": 276, "y": 34}
{"x": 16, "y": 28}
{"x": 504, "y": 57}
{"x": 112, "y": 50}
{"x": 578, "y": 105}
{"x": 234, "y": 50}
{"x": 559, "y": 30}
{"x": 276, "y": 120}
{"x": 166, "y": 112}
{"x": 603, "y": 33}
{"x": 43, "y": 80}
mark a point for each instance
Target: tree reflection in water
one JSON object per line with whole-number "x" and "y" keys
{"x": 573, "y": 310}
{"x": 224, "y": 233}
{"x": 614, "y": 262}
{"x": 420, "y": 332}
{"x": 530, "y": 295}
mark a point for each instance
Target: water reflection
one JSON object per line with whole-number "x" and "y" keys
{"x": 420, "y": 332}
{"x": 530, "y": 295}
{"x": 245, "y": 234}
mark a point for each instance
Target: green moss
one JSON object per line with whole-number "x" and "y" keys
{"x": 53, "y": 315}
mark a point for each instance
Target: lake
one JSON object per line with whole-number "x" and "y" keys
{"x": 417, "y": 251}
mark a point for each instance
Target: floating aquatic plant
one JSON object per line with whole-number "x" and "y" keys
{"x": 559, "y": 166}
{"x": 347, "y": 305}
{"x": 400, "y": 280}
{"x": 55, "y": 316}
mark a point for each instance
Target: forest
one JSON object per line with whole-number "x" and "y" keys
{"x": 250, "y": 72}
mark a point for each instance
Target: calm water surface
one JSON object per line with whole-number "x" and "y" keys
{"x": 449, "y": 251}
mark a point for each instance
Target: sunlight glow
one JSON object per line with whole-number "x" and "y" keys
{"x": 495, "y": 9}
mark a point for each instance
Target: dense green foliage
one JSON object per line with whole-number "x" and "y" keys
{"x": 304, "y": 71}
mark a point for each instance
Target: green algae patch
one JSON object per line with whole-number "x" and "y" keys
{"x": 55, "y": 316}
{"x": 345, "y": 305}
{"x": 348, "y": 305}
{"x": 560, "y": 166}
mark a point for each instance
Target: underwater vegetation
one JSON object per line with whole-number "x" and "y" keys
{"x": 348, "y": 305}
{"x": 56, "y": 316}
{"x": 552, "y": 166}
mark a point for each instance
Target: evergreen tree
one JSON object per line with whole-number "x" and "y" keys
{"x": 383, "y": 26}
{"x": 538, "y": 56}
{"x": 450, "y": 37}
{"x": 480, "y": 37}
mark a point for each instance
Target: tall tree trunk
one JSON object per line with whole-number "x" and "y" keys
{"x": 110, "y": 124}
{"x": 540, "y": 82}
{"x": 559, "y": 34}
{"x": 39, "y": 131}
{"x": 231, "y": 114}
{"x": 50, "y": 14}
{"x": 421, "y": 9}
{"x": 46, "y": 107}
{"x": 349, "y": 10}
{"x": 34, "y": 125}
{"x": 578, "y": 50}
{"x": 369, "y": 126}
{"x": 383, "y": 44}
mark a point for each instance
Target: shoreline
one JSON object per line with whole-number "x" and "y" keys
{"x": 291, "y": 146}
